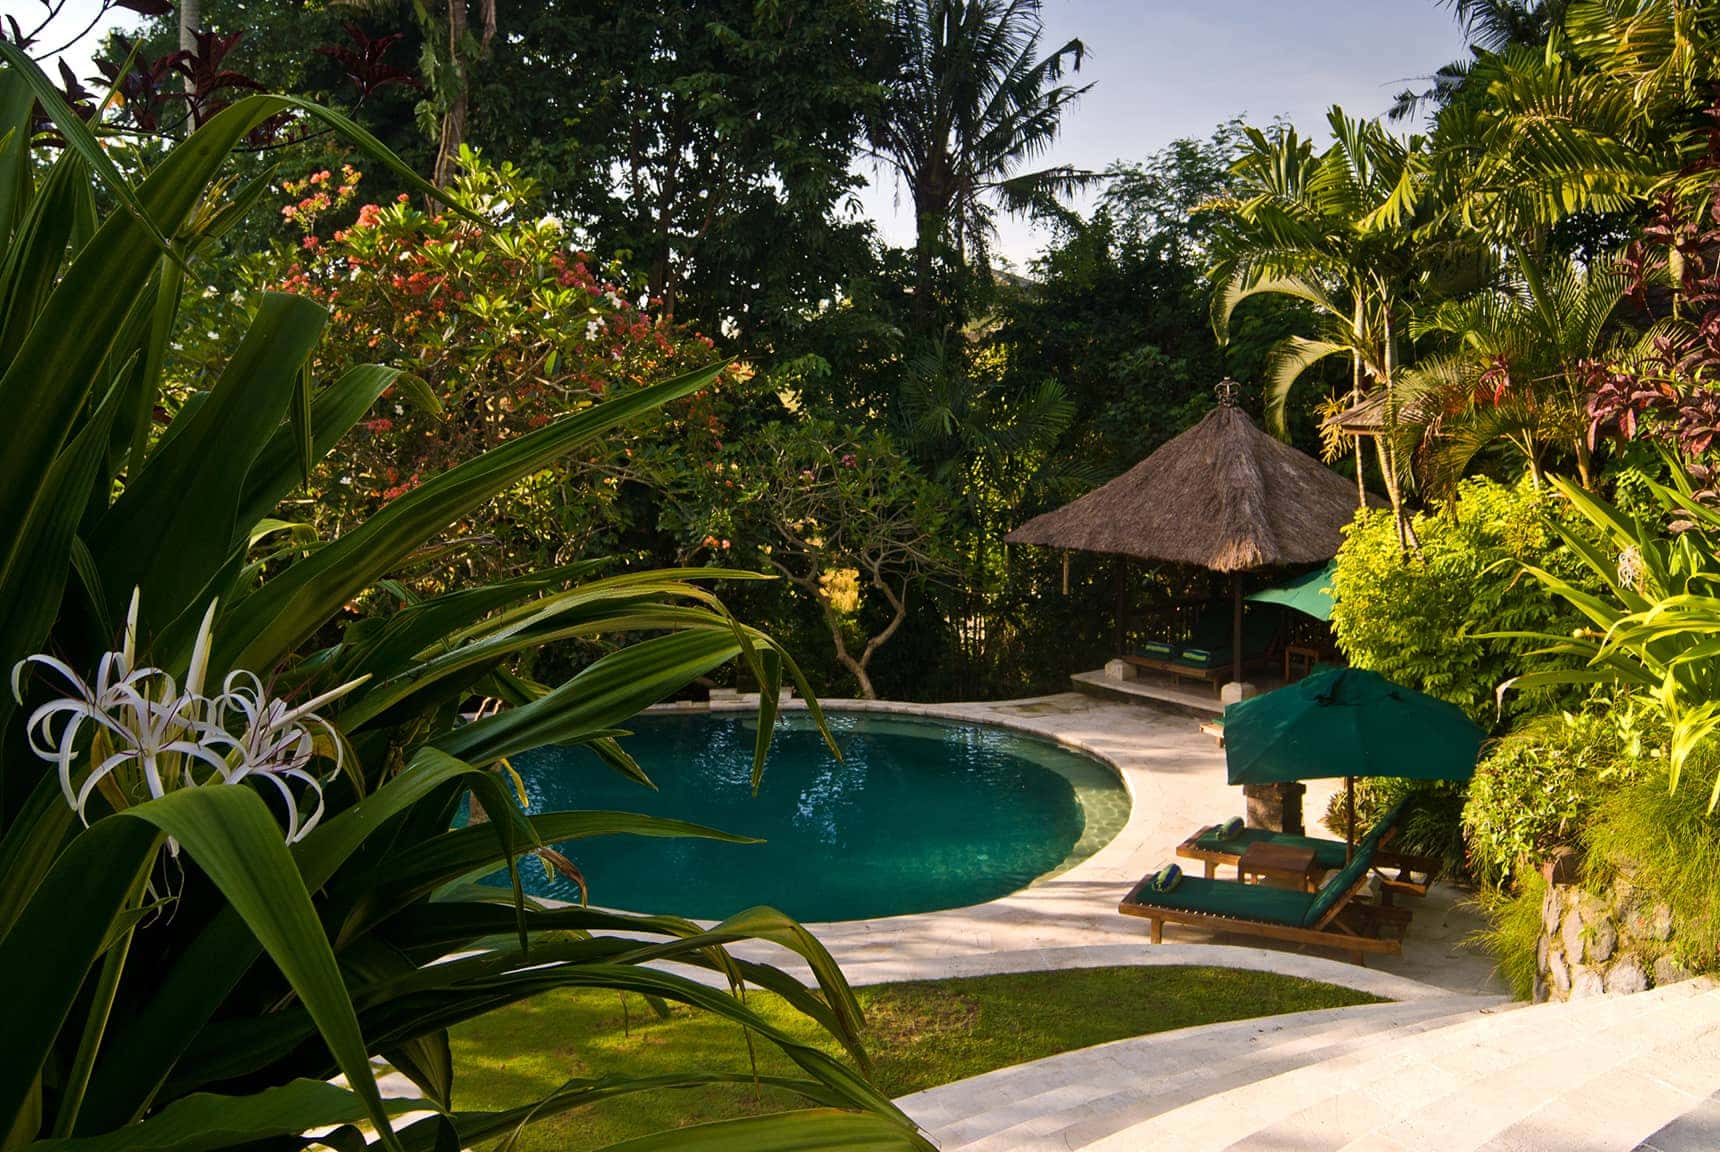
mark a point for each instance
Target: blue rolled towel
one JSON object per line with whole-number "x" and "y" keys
{"x": 1166, "y": 878}
{"x": 1230, "y": 829}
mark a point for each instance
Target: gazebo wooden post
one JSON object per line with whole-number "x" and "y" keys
{"x": 1122, "y": 606}
{"x": 1236, "y": 627}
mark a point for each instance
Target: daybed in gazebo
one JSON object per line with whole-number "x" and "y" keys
{"x": 1223, "y": 495}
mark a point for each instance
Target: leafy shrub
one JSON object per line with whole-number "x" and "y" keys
{"x": 1536, "y": 788}
{"x": 1669, "y": 848}
{"x": 1431, "y": 826}
{"x": 1421, "y": 619}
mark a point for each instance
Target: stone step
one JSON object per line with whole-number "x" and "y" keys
{"x": 1669, "y": 1093}
{"x": 1127, "y": 1080}
{"x": 1125, "y": 1061}
{"x": 1461, "y": 1099}
{"x": 1697, "y": 1130}
{"x": 1442, "y": 1077}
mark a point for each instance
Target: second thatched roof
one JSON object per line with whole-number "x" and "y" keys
{"x": 1223, "y": 495}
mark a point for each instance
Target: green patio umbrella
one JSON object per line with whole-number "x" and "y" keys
{"x": 1347, "y": 722}
{"x": 1310, "y": 594}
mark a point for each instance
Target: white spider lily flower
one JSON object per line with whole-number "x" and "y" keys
{"x": 141, "y": 737}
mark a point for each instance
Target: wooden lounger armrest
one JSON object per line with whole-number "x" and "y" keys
{"x": 1190, "y": 849}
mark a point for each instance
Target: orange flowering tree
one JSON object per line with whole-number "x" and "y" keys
{"x": 505, "y": 328}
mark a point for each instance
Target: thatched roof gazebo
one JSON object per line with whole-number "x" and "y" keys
{"x": 1223, "y": 496}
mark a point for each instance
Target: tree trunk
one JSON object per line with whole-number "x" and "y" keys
{"x": 1388, "y": 431}
{"x": 1356, "y": 398}
{"x": 454, "y": 119}
{"x": 190, "y": 15}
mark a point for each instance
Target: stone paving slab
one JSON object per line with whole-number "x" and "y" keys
{"x": 1585, "y": 1076}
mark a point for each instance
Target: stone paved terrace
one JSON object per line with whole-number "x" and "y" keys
{"x": 1175, "y": 778}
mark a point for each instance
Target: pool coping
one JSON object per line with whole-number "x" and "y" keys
{"x": 1069, "y": 918}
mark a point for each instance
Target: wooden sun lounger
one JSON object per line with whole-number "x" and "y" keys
{"x": 1330, "y": 918}
{"x": 1398, "y": 871}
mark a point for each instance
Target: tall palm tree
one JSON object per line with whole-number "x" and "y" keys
{"x": 1490, "y": 27}
{"x": 1517, "y": 372}
{"x": 971, "y": 104}
{"x": 1336, "y": 230}
{"x": 1609, "y": 111}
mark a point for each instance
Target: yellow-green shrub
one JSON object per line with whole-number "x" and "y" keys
{"x": 1418, "y": 618}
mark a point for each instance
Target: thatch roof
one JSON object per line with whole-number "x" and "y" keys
{"x": 1366, "y": 417}
{"x": 1223, "y": 495}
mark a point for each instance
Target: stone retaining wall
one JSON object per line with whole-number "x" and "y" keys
{"x": 1617, "y": 941}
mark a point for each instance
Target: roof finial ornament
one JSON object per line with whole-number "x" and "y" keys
{"x": 1228, "y": 390}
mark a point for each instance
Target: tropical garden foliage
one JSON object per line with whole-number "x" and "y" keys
{"x": 361, "y": 449}
{"x": 230, "y": 834}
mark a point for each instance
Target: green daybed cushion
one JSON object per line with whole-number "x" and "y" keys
{"x": 1259, "y": 902}
{"x": 1328, "y": 854}
{"x": 1205, "y": 657}
{"x": 1212, "y": 642}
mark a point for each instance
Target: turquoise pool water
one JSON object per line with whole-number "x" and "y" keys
{"x": 919, "y": 815}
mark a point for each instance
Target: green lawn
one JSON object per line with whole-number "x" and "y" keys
{"x": 919, "y": 1035}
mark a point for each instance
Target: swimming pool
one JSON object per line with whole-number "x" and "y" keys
{"x": 919, "y": 815}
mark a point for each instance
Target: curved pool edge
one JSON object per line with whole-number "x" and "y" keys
{"x": 1175, "y": 780}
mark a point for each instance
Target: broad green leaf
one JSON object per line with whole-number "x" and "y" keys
{"x": 603, "y": 695}
{"x": 32, "y": 843}
{"x": 176, "y": 521}
{"x": 205, "y": 1122}
{"x": 78, "y": 136}
{"x": 334, "y": 410}
{"x": 230, "y": 833}
{"x": 443, "y": 859}
{"x": 38, "y": 250}
{"x": 67, "y": 919}
{"x": 48, "y": 382}
{"x": 140, "y": 1055}
{"x": 35, "y": 578}
{"x": 17, "y": 110}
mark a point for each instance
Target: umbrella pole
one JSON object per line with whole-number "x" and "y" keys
{"x": 1349, "y": 818}
{"x": 1236, "y": 627}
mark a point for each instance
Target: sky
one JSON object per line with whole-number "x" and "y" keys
{"x": 1163, "y": 69}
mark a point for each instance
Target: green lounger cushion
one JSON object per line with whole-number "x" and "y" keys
{"x": 1328, "y": 854}
{"x": 1339, "y": 883}
{"x": 1228, "y": 898}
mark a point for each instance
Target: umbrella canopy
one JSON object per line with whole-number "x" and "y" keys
{"x": 1347, "y": 722}
{"x": 1310, "y": 594}
{"x": 1223, "y": 495}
